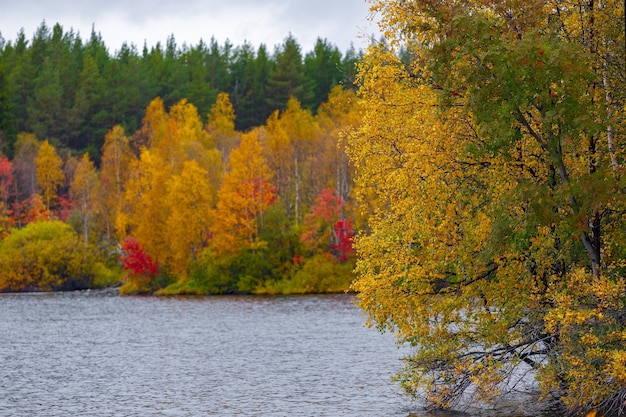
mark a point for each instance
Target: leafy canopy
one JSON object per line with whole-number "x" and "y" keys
{"x": 489, "y": 164}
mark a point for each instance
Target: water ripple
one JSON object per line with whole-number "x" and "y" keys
{"x": 97, "y": 354}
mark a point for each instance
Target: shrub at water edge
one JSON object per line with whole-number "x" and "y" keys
{"x": 47, "y": 256}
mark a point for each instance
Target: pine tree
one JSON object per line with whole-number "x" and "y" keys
{"x": 287, "y": 79}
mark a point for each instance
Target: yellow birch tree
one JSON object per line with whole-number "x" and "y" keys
{"x": 114, "y": 172}
{"x": 50, "y": 174}
{"x": 83, "y": 191}
{"x": 190, "y": 200}
{"x": 490, "y": 171}
{"x": 221, "y": 126}
{"x": 246, "y": 193}
{"x": 144, "y": 213}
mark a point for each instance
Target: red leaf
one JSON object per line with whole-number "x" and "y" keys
{"x": 136, "y": 260}
{"x": 345, "y": 233}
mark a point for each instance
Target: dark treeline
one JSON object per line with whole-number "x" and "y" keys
{"x": 72, "y": 91}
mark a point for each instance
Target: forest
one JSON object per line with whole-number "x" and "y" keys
{"x": 463, "y": 177}
{"x": 196, "y": 169}
{"x": 73, "y": 91}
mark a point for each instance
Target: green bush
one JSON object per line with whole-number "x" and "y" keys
{"x": 319, "y": 274}
{"x": 207, "y": 278}
{"x": 104, "y": 276}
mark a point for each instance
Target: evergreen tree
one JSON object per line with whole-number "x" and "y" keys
{"x": 173, "y": 75}
{"x": 86, "y": 103}
{"x": 242, "y": 71}
{"x": 263, "y": 66}
{"x": 73, "y": 92}
{"x": 21, "y": 75}
{"x": 198, "y": 90}
{"x": 7, "y": 118}
{"x": 130, "y": 89}
{"x": 218, "y": 60}
{"x": 287, "y": 79}
{"x": 322, "y": 67}
{"x": 348, "y": 67}
{"x": 96, "y": 48}
{"x": 44, "y": 108}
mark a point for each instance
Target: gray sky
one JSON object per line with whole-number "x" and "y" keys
{"x": 341, "y": 22}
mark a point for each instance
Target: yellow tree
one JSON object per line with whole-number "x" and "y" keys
{"x": 83, "y": 191}
{"x": 246, "y": 193}
{"x": 279, "y": 154}
{"x": 195, "y": 143}
{"x": 189, "y": 197}
{"x": 114, "y": 172}
{"x": 221, "y": 125}
{"x": 337, "y": 117}
{"x": 162, "y": 175}
{"x": 494, "y": 236}
{"x": 175, "y": 133}
{"x": 302, "y": 129}
{"x": 290, "y": 144}
{"x": 144, "y": 212}
{"x": 154, "y": 125}
{"x": 50, "y": 174}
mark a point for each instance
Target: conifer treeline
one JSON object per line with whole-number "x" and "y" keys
{"x": 72, "y": 91}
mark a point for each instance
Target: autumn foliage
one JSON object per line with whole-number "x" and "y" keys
{"x": 326, "y": 229}
{"x": 45, "y": 256}
{"x": 135, "y": 259}
{"x": 245, "y": 195}
{"x": 490, "y": 169}
{"x": 481, "y": 162}
{"x": 344, "y": 233}
{"x": 6, "y": 189}
{"x": 198, "y": 207}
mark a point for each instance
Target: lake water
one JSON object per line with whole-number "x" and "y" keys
{"x": 98, "y": 354}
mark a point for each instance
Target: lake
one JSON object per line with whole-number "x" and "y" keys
{"x": 94, "y": 353}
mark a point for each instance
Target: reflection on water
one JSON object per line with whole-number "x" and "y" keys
{"x": 98, "y": 354}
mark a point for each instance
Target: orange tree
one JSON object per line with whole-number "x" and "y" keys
{"x": 244, "y": 197}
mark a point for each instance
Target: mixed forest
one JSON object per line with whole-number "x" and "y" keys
{"x": 469, "y": 169}
{"x": 197, "y": 169}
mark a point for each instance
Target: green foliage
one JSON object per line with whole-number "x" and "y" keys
{"x": 105, "y": 276}
{"x": 241, "y": 273}
{"x": 254, "y": 272}
{"x": 287, "y": 78}
{"x": 72, "y": 91}
{"x": 210, "y": 277}
{"x": 321, "y": 273}
{"x": 323, "y": 67}
{"x": 7, "y": 118}
{"x": 47, "y": 256}
{"x": 283, "y": 242}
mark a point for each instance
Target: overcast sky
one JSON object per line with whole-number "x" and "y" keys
{"x": 341, "y": 22}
